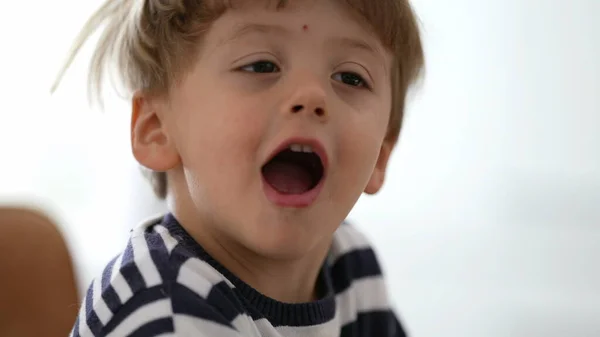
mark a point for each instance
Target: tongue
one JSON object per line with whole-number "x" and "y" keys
{"x": 287, "y": 178}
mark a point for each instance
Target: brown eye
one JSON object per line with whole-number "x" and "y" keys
{"x": 350, "y": 79}
{"x": 262, "y": 67}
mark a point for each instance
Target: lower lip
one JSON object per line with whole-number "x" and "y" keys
{"x": 303, "y": 200}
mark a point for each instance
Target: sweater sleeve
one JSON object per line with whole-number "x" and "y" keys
{"x": 151, "y": 313}
{"x": 364, "y": 303}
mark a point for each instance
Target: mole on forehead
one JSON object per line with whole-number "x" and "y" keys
{"x": 305, "y": 27}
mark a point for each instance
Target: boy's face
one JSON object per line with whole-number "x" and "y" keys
{"x": 308, "y": 74}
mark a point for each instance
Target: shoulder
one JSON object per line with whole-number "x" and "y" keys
{"x": 154, "y": 286}
{"x": 359, "y": 285}
{"x": 352, "y": 252}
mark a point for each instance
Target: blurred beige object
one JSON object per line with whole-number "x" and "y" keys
{"x": 38, "y": 292}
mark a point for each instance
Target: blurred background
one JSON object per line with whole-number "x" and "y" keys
{"x": 490, "y": 222}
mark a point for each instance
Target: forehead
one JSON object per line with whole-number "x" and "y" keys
{"x": 328, "y": 19}
{"x": 386, "y": 18}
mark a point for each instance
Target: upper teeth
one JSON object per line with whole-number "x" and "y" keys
{"x": 301, "y": 148}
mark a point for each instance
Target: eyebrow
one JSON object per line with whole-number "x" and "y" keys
{"x": 261, "y": 28}
{"x": 359, "y": 44}
{"x": 354, "y": 43}
{"x": 252, "y": 28}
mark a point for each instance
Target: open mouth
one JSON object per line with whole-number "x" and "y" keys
{"x": 295, "y": 170}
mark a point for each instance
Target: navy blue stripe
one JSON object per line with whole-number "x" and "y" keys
{"x": 140, "y": 299}
{"x": 160, "y": 255}
{"x": 352, "y": 266}
{"x": 89, "y": 298}
{"x": 130, "y": 270}
{"x": 107, "y": 273}
{"x": 375, "y": 323}
{"x": 224, "y": 300}
{"x": 248, "y": 308}
{"x": 154, "y": 328}
{"x": 112, "y": 300}
{"x": 92, "y": 319}
{"x": 109, "y": 295}
{"x": 399, "y": 330}
{"x": 187, "y": 302}
{"x": 179, "y": 255}
{"x": 76, "y": 328}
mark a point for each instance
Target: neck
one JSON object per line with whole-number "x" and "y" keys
{"x": 287, "y": 280}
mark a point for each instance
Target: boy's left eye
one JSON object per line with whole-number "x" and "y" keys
{"x": 351, "y": 79}
{"x": 261, "y": 67}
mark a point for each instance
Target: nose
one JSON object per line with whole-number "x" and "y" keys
{"x": 308, "y": 98}
{"x": 319, "y": 111}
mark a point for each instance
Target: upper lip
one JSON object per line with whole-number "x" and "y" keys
{"x": 315, "y": 144}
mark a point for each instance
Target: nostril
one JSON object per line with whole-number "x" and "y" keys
{"x": 319, "y": 112}
{"x": 297, "y": 108}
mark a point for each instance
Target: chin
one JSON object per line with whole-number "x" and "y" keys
{"x": 282, "y": 243}
{"x": 282, "y": 252}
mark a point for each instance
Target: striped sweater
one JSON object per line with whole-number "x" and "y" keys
{"x": 165, "y": 284}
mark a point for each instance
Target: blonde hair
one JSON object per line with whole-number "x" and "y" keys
{"x": 150, "y": 43}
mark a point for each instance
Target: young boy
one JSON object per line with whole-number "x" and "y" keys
{"x": 263, "y": 122}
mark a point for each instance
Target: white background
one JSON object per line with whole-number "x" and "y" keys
{"x": 490, "y": 222}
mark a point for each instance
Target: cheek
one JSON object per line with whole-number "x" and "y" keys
{"x": 359, "y": 148}
{"x": 217, "y": 139}
{"x": 362, "y": 138}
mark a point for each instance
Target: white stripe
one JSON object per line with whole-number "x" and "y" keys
{"x": 141, "y": 228}
{"x": 143, "y": 315}
{"x": 329, "y": 328}
{"x": 198, "y": 276}
{"x": 143, "y": 260}
{"x": 84, "y": 329}
{"x": 246, "y": 324}
{"x": 346, "y": 239}
{"x": 189, "y": 326}
{"x": 169, "y": 240}
{"x": 100, "y": 307}
{"x": 119, "y": 283}
{"x": 364, "y": 295}
{"x": 266, "y": 328}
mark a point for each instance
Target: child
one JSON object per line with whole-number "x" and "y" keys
{"x": 263, "y": 122}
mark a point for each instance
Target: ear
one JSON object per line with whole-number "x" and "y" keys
{"x": 378, "y": 176}
{"x": 150, "y": 143}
